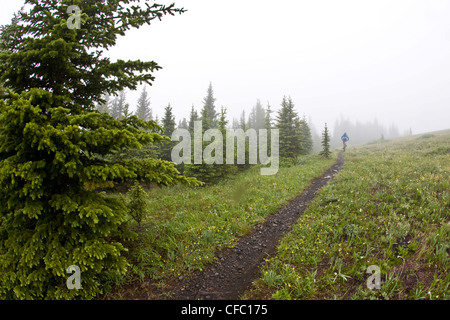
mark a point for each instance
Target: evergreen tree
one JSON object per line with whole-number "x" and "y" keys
{"x": 268, "y": 124}
{"x": 137, "y": 203}
{"x": 257, "y": 117}
{"x": 242, "y": 122}
{"x": 268, "y": 118}
{"x": 224, "y": 169}
{"x": 168, "y": 124}
{"x": 245, "y": 126}
{"x": 223, "y": 122}
{"x": 287, "y": 123}
{"x": 326, "y": 153}
{"x": 205, "y": 172}
{"x": 104, "y": 106}
{"x": 192, "y": 118}
{"x": 251, "y": 122}
{"x": 126, "y": 111}
{"x": 182, "y": 124}
{"x": 305, "y": 133}
{"x": 53, "y": 145}
{"x": 236, "y": 124}
{"x": 143, "y": 110}
{"x": 206, "y": 119}
{"x": 119, "y": 106}
{"x": 208, "y": 103}
{"x": 114, "y": 110}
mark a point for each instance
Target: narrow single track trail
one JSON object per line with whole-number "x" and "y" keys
{"x": 237, "y": 267}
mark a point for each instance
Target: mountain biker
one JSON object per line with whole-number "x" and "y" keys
{"x": 344, "y": 139}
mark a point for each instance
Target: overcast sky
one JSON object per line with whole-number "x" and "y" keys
{"x": 384, "y": 59}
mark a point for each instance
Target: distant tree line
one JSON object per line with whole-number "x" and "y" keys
{"x": 363, "y": 132}
{"x": 294, "y": 131}
{"x": 297, "y": 135}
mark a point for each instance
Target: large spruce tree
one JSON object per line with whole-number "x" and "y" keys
{"x": 53, "y": 145}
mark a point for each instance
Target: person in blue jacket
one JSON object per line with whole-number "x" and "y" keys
{"x": 344, "y": 139}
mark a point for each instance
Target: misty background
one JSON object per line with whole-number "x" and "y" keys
{"x": 365, "y": 67}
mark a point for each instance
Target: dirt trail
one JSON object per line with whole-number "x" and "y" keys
{"x": 237, "y": 267}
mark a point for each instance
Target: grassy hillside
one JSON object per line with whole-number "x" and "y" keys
{"x": 389, "y": 207}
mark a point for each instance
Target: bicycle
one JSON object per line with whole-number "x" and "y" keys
{"x": 344, "y": 139}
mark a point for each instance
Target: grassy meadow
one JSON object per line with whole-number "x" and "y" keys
{"x": 389, "y": 207}
{"x": 185, "y": 226}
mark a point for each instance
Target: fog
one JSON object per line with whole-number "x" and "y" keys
{"x": 362, "y": 61}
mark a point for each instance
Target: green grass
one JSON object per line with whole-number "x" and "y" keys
{"x": 389, "y": 207}
{"x": 185, "y": 226}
